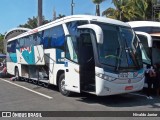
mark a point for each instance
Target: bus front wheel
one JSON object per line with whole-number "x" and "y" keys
{"x": 61, "y": 86}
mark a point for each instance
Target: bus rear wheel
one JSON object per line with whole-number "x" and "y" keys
{"x": 61, "y": 85}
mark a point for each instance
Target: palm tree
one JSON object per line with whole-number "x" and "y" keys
{"x": 127, "y": 10}
{"x": 141, "y": 9}
{"x": 98, "y": 2}
{"x": 32, "y": 22}
{"x": 122, "y": 11}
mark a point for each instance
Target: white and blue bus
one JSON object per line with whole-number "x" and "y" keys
{"x": 79, "y": 53}
{"x": 149, "y": 35}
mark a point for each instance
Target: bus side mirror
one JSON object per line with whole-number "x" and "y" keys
{"x": 98, "y": 31}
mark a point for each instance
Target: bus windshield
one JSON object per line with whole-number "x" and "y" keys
{"x": 120, "y": 48}
{"x": 156, "y": 52}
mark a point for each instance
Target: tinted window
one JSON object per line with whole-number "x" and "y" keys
{"x": 46, "y": 38}
{"x": 52, "y": 38}
{"x": 71, "y": 51}
{"x": 57, "y": 37}
{"x": 120, "y": 48}
{"x": 72, "y": 26}
{"x": 28, "y": 41}
{"x": 11, "y": 46}
{"x": 145, "y": 49}
{"x": 143, "y": 40}
{"x": 21, "y": 42}
{"x": 39, "y": 39}
{"x": 148, "y": 29}
{"x": 109, "y": 50}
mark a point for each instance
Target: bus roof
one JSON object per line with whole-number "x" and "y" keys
{"x": 72, "y": 18}
{"x": 15, "y": 32}
{"x": 134, "y": 24}
{"x": 155, "y": 34}
{"x": 97, "y": 18}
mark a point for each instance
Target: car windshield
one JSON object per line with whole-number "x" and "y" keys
{"x": 120, "y": 48}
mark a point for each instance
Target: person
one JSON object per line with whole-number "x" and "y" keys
{"x": 157, "y": 82}
{"x": 1, "y": 66}
{"x": 3, "y": 72}
{"x": 150, "y": 76}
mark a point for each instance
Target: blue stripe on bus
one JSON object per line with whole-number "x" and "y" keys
{"x": 13, "y": 57}
{"x": 29, "y": 56}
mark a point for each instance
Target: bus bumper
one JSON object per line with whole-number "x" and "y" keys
{"x": 104, "y": 87}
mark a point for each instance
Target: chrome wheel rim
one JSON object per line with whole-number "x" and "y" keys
{"x": 63, "y": 86}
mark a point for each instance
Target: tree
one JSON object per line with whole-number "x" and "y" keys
{"x": 122, "y": 11}
{"x": 128, "y": 10}
{"x": 32, "y": 22}
{"x": 98, "y": 2}
{"x": 1, "y": 43}
{"x": 60, "y": 16}
{"x": 140, "y": 8}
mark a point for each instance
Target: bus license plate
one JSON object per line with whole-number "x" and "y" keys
{"x": 123, "y": 75}
{"x": 129, "y": 88}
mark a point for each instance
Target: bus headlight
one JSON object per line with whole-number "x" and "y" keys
{"x": 105, "y": 77}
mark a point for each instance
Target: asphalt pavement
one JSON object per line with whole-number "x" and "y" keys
{"x": 28, "y": 96}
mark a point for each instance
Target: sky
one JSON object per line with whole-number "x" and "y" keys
{"x": 16, "y": 12}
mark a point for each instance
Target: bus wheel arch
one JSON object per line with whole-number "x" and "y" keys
{"x": 59, "y": 73}
{"x": 61, "y": 83}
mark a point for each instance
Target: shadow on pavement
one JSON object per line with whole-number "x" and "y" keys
{"x": 123, "y": 100}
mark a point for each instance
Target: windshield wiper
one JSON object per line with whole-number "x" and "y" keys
{"x": 119, "y": 51}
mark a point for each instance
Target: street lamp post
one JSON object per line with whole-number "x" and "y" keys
{"x": 72, "y": 6}
{"x": 39, "y": 12}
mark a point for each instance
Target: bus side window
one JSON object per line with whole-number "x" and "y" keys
{"x": 28, "y": 41}
{"x": 39, "y": 40}
{"x": 57, "y": 37}
{"x": 45, "y": 40}
{"x": 21, "y": 42}
{"x": 17, "y": 44}
{"x": 13, "y": 47}
{"x": 9, "y": 47}
{"x": 31, "y": 41}
{"x": 70, "y": 48}
{"x": 72, "y": 26}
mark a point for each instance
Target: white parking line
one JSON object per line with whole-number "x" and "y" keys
{"x": 41, "y": 94}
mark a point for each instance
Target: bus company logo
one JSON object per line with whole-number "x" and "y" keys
{"x": 34, "y": 31}
{"x": 129, "y": 81}
{"x": 6, "y": 114}
{"x": 25, "y": 49}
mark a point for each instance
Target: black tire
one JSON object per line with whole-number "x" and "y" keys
{"x": 17, "y": 74}
{"x": 61, "y": 83}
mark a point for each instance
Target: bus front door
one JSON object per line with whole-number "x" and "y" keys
{"x": 72, "y": 76}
